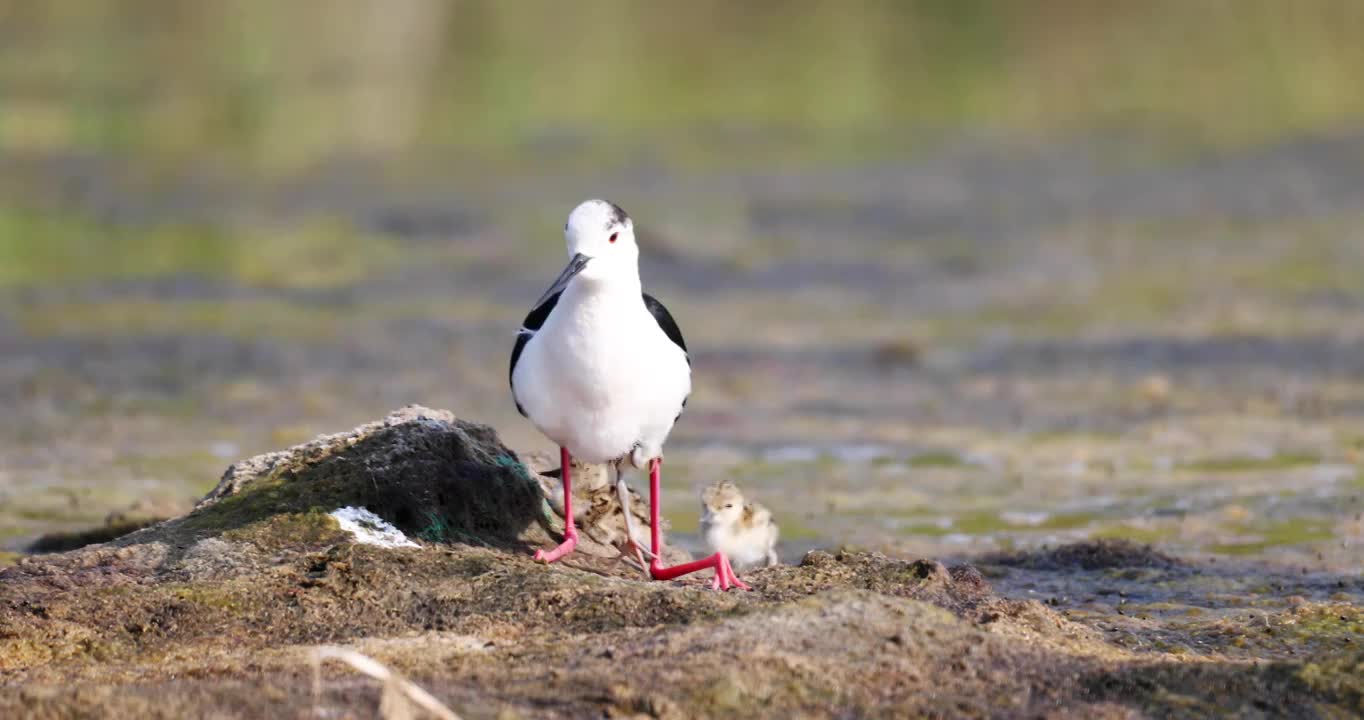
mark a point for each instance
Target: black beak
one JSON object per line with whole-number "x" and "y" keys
{"x": 574, "y": 267}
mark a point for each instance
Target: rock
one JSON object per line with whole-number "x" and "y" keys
{"x": 435, "y": 477}
{"x": 429, "y": 473}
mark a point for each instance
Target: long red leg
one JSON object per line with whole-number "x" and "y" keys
{"x": 726, "y": 571}
{"x": 724, "y": 574}
{"x": 570, "y": 532}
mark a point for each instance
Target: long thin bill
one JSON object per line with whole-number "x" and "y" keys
{"x": 574, "y": 267}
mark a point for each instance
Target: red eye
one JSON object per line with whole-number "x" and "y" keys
{"x": 613, "y": 236}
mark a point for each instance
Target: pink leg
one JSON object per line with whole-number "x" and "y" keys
{"x": 570, "y": 532}
{"x": 717, "y": 583}
{"x": 724, "y": 574}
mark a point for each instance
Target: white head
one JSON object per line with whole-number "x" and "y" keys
{"x": 602, "y": 231}
{"x": 721, "y": 504}
{"x": 601, "y": 247}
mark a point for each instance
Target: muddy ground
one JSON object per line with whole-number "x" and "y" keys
{"x": 214, "y": 614}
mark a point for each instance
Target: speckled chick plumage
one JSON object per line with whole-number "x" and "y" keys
{"x": 742, "y": 530}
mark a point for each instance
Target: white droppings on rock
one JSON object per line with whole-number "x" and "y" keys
{"x": 370, "y": 529}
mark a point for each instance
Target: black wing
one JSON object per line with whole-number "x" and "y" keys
{"x": 666, "y": 322}
{"x": 669, "y": 326}
{"x": 533, "y": 322}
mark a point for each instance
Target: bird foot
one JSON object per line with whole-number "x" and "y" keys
{"x": 724, "y": 574}
{"x": 634, "y": 551}
{"x": 564, "y": 548}
{"x": 640, "y": 552}
{"x": 725, "y": 577}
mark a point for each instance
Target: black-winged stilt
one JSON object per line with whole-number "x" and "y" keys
{"x": 601, "y": 369}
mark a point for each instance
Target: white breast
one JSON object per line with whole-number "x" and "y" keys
{"x": 745, "y": 547}
{"x": 600, "y": 376}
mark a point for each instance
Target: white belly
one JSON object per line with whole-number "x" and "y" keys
{"x": 744, "y": 548}
{"x": 600, "y": 377}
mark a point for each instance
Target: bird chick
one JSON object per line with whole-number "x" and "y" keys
{"x": 612, "y": 514}
{"x": 616, "y": 518}
{"x": 743, "y": 531}
{"x": 591, "y": 480}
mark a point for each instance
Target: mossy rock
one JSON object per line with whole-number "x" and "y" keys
{"x": 432, "y": 475}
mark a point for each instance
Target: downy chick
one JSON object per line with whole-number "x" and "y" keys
{"x": 611, "y": 514}
{"x": 741, "y": 530}
{"x": 589, "y": 480}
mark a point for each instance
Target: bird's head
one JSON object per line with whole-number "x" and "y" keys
{"x": 602, "y": 234}
{"x": 601, "y": 248}
{"x": 721, "y": 504}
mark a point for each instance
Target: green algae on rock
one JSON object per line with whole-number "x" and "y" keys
{"x": 413, "y": 468}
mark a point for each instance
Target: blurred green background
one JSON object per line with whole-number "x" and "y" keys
{"x": 959, "y": 275}
{"x": 271, "y": 86}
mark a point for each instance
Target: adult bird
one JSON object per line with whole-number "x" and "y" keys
{"x": 601, "y": 369}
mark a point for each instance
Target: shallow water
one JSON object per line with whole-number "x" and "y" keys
{"x": 938, "y": 342}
